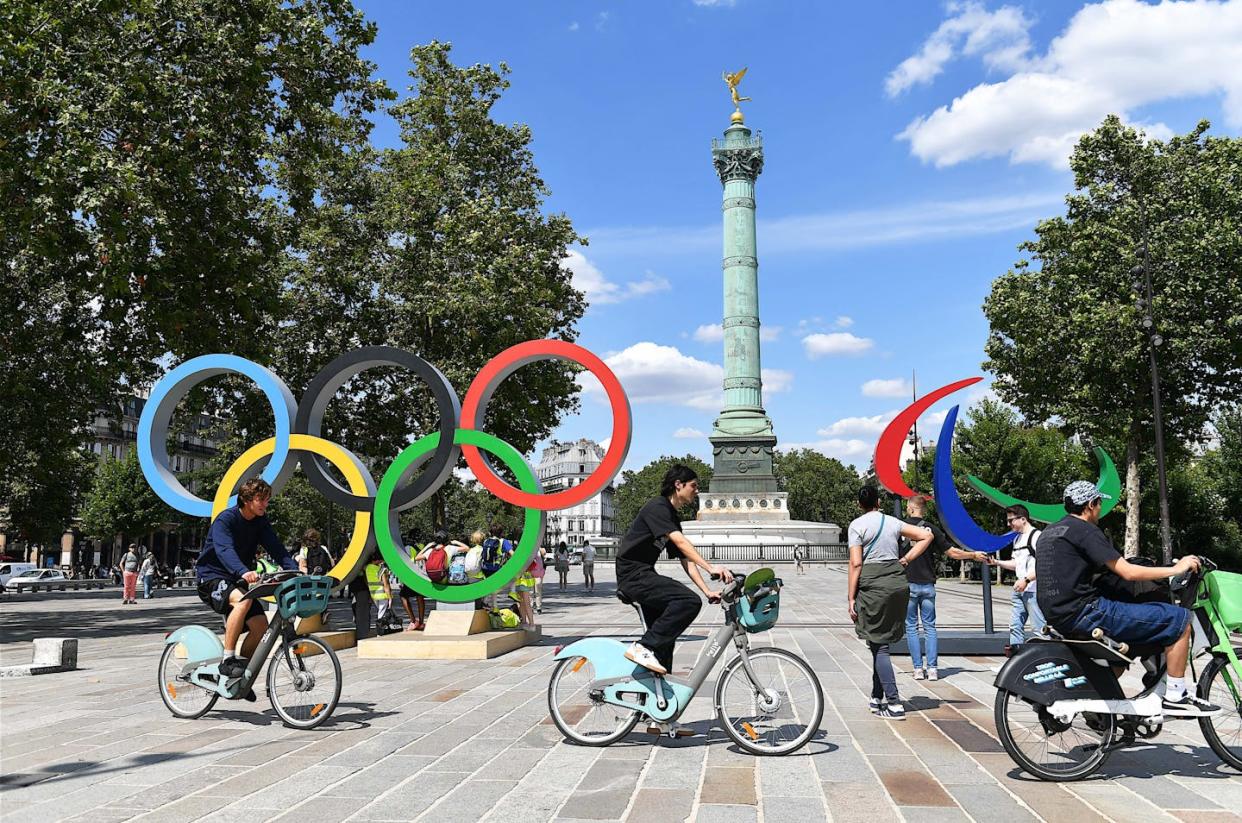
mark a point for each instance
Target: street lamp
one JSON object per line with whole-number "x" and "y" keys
{"x": 1144, "y": 304}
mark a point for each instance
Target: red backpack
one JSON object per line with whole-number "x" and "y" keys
{"x": 437, "y": 565}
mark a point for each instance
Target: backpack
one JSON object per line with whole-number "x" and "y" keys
{"x": 317, "y": 557}
{"x": 474, "y": 561}
{"x": 437, "y": 565}
{"x": 457, "y": 569}
{"x": 495, "y": 552}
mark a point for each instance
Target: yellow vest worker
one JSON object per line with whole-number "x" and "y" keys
{"x": 375, "y": 582}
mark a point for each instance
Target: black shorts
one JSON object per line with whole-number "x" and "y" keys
{"x": 408, "y": 593}
{"x": 216, "y": 593}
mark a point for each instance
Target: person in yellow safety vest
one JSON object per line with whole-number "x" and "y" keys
{"x": 381, "y": 590}
{"x": 264, "y": 565}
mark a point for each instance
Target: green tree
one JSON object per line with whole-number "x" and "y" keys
{"x": 440, "y": 247}
{"x": 155, "y": 157}
{"x": 637, "y": 487}
{"x": 121, "y": 501}
{"x": 1067, "y": 339}
{"x": 821, "y": 489}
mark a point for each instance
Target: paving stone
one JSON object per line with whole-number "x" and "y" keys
{"x": 604, "y": 791}
{"x": 727, "y": 814}
{"x": 412, "y": 797}
{"x": 800, "y": 809}
{"x": 789, "y": 776}
{"x": 990, "y": 804}
{"x": 728, "y": 785}
{"x": 470, "y": 801}
{"x": 379, "y": 778}
{"x": 661, "y": 805}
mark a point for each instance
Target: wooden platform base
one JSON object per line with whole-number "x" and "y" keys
{"x": 425, "y": 646}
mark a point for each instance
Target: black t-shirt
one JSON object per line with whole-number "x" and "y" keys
{"x": 648, "y": 534}
{"x": 922, "y": 569}
{"x": 1071, "y": 553}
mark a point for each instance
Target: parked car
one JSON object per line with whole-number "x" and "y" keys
{"x": 9, "y": 570}
{"x": 34, "y": 576}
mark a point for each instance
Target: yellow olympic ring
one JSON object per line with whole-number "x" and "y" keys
{"x": 356, "y": 475}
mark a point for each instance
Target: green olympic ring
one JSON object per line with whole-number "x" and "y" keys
{"x": 387, "y": 535}
{"x": 1109, "y": 483}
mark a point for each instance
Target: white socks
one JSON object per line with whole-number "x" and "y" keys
{"x": 1175, "y": 688}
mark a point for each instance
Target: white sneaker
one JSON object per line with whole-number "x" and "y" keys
{"x": 932, "y": 674}
{"x": 920, "y": 674}
{"x": 644, "y": 657}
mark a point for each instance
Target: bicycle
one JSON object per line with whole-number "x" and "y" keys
{"x": 303, "y": 678}
{"x": 1060, "y": 710}
{"x": 759, "y": 697}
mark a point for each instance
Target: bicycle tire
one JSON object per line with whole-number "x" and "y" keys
{"x": 168, "y": 689}
{"x": 314, "y": 710}
{"x": 746, "y": 737}
{"x": 1208, "y": 724}
{"x": 1000, "y": 715}
{"x": 563, "y": 724}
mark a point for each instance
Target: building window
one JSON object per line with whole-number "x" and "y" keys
{"x": 581, "y": 468}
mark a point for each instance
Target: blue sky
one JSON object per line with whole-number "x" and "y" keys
{"x": 909, "y": 147}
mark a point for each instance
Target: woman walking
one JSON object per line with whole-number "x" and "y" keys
{"x": 878, "y": 592}
{"x": 129, "y": 574}
{"x": 562, "y": 564}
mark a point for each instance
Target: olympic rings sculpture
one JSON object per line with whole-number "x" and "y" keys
{"x": 298, "y": 440}
{"x": 957, "y": 522}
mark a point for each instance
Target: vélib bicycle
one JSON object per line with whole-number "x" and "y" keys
{"x": 768, "y": 700}
{"x": 303, "y": 677}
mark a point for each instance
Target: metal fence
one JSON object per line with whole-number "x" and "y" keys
{"x": 777, "y": 552}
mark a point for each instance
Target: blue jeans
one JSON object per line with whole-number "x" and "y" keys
{"x": 146, "y": 585}
{"x": 1024, "y": 604}
{"x": 922, "y": 604}
{"x": 1156, "y": 624}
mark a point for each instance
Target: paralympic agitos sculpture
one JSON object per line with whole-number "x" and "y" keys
{"x": 298, "y": 428}
{"x": 957, "y": 522}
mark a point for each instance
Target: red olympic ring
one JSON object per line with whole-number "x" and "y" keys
{"x": 474, "y": 408}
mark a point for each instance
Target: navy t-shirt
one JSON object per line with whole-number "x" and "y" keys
{"x": 648, "y": 535}
{"x": 231, "y": 544}
{"x": 1071, "y": 553}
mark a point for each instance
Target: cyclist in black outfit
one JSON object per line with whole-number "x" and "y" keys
{"x": 668, "y": 607}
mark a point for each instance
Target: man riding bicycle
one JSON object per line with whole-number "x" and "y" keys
{"x": 225, "y": 570}
{"x": 1071, "y": 553}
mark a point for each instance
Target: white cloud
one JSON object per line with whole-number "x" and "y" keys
{"x": 844, "y": 321}
{"x": 717, "y": 4}
{"x": 601, "y": 20}
{"x": 710, "y": 333}
{"x": 898, "y": 387}
{"x": 999, "y": 37}
{"x": 599, "y": 290}
{"x": 714, "y": 333}
{"x": 688, "y": 433}
{"x": 850, "y": 451}
{"x": 652, "y": 373}
{"x": 830, "y": 231}
{"x": 573, "y": 26}
{"x": 838, "y": 342}
{"x": 1112, "y": 57}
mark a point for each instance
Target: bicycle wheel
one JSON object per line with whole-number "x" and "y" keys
{"x": 1048, "y": 748}
{"x": 304, "y": 682}
{"x": 1224, "y": 731}
{"x": 183, "y": 698}
{"x": 779, "y": 716}
{"x": 581, "y": 713}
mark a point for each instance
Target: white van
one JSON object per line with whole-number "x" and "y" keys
{"x": 8, "y": 570}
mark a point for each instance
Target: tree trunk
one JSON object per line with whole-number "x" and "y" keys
{"x": 1132, "y": 494}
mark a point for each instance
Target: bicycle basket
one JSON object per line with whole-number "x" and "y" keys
{"x": 1224, "y": 590}
{"x": 303, "y": 596}
{"x": 759, "y": 614}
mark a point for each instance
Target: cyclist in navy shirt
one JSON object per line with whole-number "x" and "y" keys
{"x": 226, "y": 570}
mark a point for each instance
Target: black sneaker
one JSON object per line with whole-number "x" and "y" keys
{"x": 251, "y": 696}
{"x": 892, "y": 711}
{"x": 232, "y": 667}
{"x": 1188, "y": 706}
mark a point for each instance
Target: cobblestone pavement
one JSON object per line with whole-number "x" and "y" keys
{"x": 469, "y": 741}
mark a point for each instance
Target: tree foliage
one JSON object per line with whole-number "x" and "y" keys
{"x": 1067, "y": 340}
{"x": 821, "y": 489}
{"x": 637, "y": 487}
{"x": 153, "y": 156}
{"x": 121, "y": 502}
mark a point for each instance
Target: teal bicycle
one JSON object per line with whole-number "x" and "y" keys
{"x": 768, "y": 700}
{"x": 303, "y": 677}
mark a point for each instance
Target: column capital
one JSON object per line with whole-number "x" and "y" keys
{"x": 738, "y": 162}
